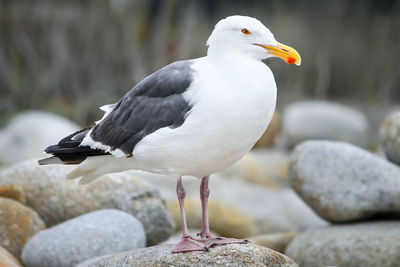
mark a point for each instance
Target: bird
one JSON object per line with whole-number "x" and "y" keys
{"x": 192, "y": 117}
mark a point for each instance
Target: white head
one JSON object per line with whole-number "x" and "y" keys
{"x": 248, "y": 37}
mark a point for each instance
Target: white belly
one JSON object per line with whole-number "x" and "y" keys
{"x": 229, "y": 115}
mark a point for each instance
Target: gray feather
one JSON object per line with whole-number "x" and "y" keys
{"x": 155, "y": 102}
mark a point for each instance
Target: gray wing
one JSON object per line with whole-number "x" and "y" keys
{"x": 155, "y": 102}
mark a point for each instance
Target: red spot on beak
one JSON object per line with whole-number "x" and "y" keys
{"x": 291, "y": 60}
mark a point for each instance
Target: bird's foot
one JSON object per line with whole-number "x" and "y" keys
{"x": 188, "y": 244}
{"x": 216, "y": 241}
{"x": 210, "y": 240}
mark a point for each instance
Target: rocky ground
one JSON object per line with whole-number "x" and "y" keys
{"x": 229, "y": 255}
{"x": 327, "y": 202}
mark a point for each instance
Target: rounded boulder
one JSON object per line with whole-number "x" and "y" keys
{"x": 94, "y": 234}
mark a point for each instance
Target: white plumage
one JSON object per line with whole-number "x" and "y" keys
{"x": 232, "y": 108}
{"x": 233, "y": 96}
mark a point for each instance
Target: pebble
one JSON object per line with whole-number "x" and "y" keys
{"x": 389, "y": 136}
{"x": 269, "y": 136}
{"x": 275, "y": 241}
{"x": 343, "y": 183}
{"x": 18, "y": 224}
{"x": 368, "y": 244}
{"x": 14, "y": 192}
{"x": 7, "y": 259}
{"x": 94, "y": 234}
{"x": 263, "y": 166}
{"x": 45, "y": 128}
{"x": 324, "y": 120}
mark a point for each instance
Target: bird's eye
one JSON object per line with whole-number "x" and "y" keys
{"x": 246, "y": 31}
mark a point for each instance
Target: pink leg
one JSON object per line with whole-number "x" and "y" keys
{"x": 204, "y": 194}
{"x": 181, "y": 193}
{"x": 187, "y": 243}
{"x": 208, "y": 239}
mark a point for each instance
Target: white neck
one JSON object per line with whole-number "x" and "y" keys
{"x": 228, "y": 56}
{"x": 227, "y": 53}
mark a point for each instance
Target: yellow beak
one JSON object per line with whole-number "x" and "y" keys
{"x": 287, "y": 53}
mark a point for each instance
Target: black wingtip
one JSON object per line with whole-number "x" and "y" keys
{"x": 50, "y": 148}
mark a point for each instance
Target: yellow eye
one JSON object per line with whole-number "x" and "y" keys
{"x": 246, "y": 31}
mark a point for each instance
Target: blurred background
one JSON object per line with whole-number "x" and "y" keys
{"x": 70, "y": 57}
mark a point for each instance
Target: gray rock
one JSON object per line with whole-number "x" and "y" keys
{"x": 389, "y": 136}
{"x": 18, "y": 143}
{"x": 364, "y": 244}
{"x": 266, "y": 167}
{"x": 18, "y": 224}
{"x": 94, "y": 234}
{"x": 275, "y": 241}
{"x": 57, "y": 199}
{"x": 229, "y": 255}
{"x": 270, "y": 134}
{"x": 324, "y": 120}
{"x": 14, "y": 192}
{"x": 7, "y": 259}
{"x": 342, "y": 182}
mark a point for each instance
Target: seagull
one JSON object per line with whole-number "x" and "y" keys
{"x": 190, "y": 118}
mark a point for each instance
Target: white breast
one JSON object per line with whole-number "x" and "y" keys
{"x": 232, "y": 106}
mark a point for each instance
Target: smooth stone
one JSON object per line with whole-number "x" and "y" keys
{"x": 237, "y": 208}
{"x": 18, "y": 224}
{"x": 266, "y": 167}
{"x": 324, "y": 120}
{"x": 269, "y": 136}
{"x": 29, "y": 133}
{"x": 228, "y": 255}
{"x": 14, "y": 192}
{"x": 94, "y": 234}
{"x": 343, "y": 183}
{"x": 275, "y": 241}
{"x": 389, "y": 136}
{"x": 364, "y": 244}
{"x": 275, "y": 161}
{"x": 57, "y": 199}
{"x": 7, "y": 259}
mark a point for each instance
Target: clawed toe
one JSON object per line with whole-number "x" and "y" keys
{"x": 188, "y": 244}
{"x": 226, "y": 241}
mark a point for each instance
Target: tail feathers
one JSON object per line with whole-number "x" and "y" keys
{"x": 93, "y": 168}
{"x": 86, "y": 176}
{"x": 69, "y": 151}
{"x": 76, "y": 173}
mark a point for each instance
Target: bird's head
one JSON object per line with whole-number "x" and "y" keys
{"x": 247, "y": 36}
